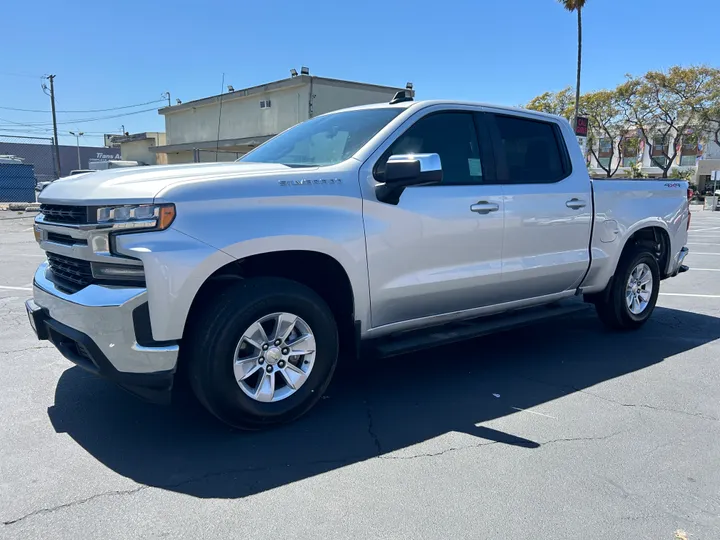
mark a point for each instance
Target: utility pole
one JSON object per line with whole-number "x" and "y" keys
{"x": 52, "y": 102}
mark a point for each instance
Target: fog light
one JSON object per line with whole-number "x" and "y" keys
{"x": 120, "y": 272}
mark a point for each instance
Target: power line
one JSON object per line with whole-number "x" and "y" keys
{"x": 84, "y": 111}
{"x": 77, "y": 120}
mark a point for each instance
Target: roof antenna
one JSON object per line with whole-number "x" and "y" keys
{"x": 401, "y": 96}
{"x": 217, "y": 144}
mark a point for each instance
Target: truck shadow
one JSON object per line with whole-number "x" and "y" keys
{"x": 371, "y": 409}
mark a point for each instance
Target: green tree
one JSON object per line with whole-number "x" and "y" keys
{"x": 711, "y": 109}
{"x": 606, "y": 121}
{"x": 667, "y": 106}
{"x": 577, "y": 6}
{"x": 560, "y": 103}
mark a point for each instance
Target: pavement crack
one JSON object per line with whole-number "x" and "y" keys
{"x": 478, "y": 445}
{"x": 77, "y": 502}
{"x": 174, "y": 485}
{"x": 573, "y": 439}
{"x": 440, "y": 453}
{"x": 621, "y": 403}
{"x": 371, "y": 428}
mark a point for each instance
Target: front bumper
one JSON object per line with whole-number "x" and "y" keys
{"x": 98, "y": 328}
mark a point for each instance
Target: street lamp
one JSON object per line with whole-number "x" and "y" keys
{"x": 77, "y": 139}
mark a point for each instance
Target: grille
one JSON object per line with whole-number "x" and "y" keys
{"x": 60, "y": 213}
{"x": 73, "y": 273}
{"x": 65, "y": 239}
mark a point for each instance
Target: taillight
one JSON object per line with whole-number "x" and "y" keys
{"x": 690, "y": 194}
{"x": 689, "y": 216}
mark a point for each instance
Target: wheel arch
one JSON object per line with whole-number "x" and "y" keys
{"x": 317, "y": 270}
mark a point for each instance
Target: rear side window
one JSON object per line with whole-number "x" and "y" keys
{"x": 532, "y": 150}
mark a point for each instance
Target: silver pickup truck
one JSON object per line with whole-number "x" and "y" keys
{"x": 392, "y": 226}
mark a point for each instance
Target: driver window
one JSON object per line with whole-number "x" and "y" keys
{"x": 453, "y": 137}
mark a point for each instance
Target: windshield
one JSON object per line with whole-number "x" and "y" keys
{"x": 325, "y": 140}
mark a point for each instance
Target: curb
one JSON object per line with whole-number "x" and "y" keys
{"x": 26, "y": 207}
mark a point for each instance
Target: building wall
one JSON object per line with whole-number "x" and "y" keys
{"x": 333, "y": 95}
{"x": 710, "y": 151}
{"x": 174, "y": 158}
{"x": 241, "y": 116}
{"x": 139, "y": 151}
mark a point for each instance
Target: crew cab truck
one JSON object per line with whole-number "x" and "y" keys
{"x": 379, "y": 224}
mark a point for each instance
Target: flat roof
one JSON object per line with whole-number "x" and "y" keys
{"x": 290, "y": 82}
{"x": 211, "y": 145}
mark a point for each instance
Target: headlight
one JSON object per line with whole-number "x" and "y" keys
{"x": 137, "y": 216}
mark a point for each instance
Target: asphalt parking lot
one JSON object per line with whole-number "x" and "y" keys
{"x": 561, "y": 430}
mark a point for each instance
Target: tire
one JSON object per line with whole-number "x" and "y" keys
{"x": 612, "y": 305}
{"x": 219, "y": 332}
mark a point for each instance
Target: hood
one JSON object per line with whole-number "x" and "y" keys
{"x": 129, "y": 185}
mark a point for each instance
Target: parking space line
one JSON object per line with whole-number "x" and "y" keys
{"x": 15, "y": 288}
{"x": 701, "y": 253}
{"x": 708, "y": 229}
{"x": 690, "y": 295}
{"x": 705, "y": 269}
{"x": 702, "y": 244}
{"x": 533, "y": 412}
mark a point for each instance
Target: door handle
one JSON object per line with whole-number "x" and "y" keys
{"x": 484, "y": 207}
{"x": 575, "y": 204}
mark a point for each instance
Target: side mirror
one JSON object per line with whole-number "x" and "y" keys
{"x": 404, "y": 170}
{"x": 413, "y": 169}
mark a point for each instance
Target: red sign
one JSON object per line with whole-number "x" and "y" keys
{"x": 581, "y": 126}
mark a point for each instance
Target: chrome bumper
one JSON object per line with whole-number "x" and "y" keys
{"x": 105, "y": 315}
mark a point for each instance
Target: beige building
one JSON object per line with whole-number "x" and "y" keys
{"x": 701, "y": 157}
{"x": 141, "y": 147}
{"x": 226, "y": 126}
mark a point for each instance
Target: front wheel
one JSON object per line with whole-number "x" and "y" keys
{"x": 632, "y": 293}
{"x": 263, "y": 352}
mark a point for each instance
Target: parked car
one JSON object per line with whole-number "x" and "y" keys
{"x": 359, "y": 229}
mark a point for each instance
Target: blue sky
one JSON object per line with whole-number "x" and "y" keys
{"x": 121, "y": 53}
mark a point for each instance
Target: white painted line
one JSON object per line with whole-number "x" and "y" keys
{"x": 705, "y": 269}
{"x": 29, "y": 228}
{"x": 701, "y": 244}
{"x": 701, "y": 253}
{"x": 15, "y": 288}
{"x": 533, "y": 412}
{"x": 708, "y": 229}
{"x": 690, "y": 295}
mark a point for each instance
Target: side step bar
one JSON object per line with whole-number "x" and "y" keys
{"x": 417, "y": 340}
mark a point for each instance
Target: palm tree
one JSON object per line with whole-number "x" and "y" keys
{"x": 576, "y": 5}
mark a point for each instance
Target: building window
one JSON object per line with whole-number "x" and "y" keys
{"x": 688, "y": 161}
{"x": 658, "y": 161}
{"x": 605, "y": 146}
{"x": 265, "y": 104}
{"x": 630, "y": 151}
{"x": 604, "y": 162}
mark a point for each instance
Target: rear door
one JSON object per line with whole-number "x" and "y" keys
{"x": 548, "y": 206}
{"x": 438, "y": 250}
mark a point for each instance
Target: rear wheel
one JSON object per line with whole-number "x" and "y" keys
{"x": 263, "y": 353}
{"x": 632, "y": 294}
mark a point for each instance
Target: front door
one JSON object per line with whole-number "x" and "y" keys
{"x": 439, "y": 250}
